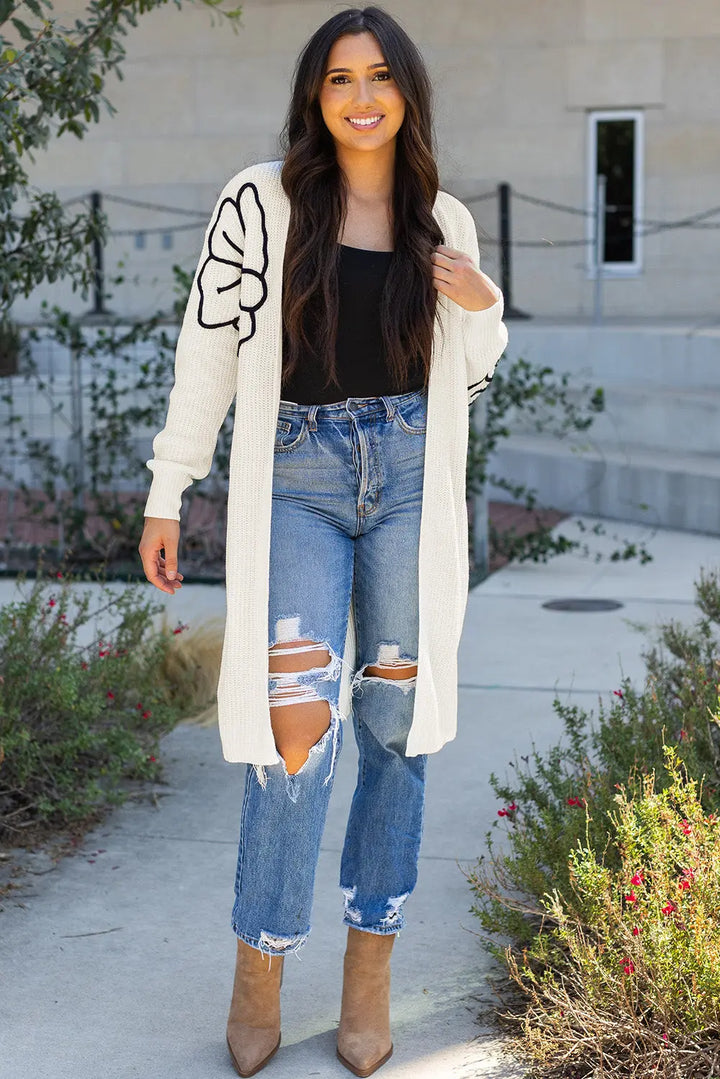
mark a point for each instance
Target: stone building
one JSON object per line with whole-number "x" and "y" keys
{"x": 543, "y": 96}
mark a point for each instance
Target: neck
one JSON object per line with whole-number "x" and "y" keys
{"x": 370, "y": 176}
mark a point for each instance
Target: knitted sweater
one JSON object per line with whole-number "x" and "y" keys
{"x": 230, "y": 346}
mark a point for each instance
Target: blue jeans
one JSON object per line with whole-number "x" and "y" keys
{"x": 347, "y": 496}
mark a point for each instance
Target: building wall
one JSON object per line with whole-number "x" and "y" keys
{"x": 514, "y": 84}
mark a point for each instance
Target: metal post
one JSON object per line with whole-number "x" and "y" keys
{"x": 505, "y": 243}
{"x": 77, "y": 448}
{"x": 504, "y": 210}
{"x": 480, "y": 506}
{"x": 99, "y": 272}
{"x": 599, "y": 244}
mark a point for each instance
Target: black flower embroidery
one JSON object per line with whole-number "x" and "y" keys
{"x": 229, "y": 266}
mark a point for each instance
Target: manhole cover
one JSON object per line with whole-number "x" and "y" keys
{"x": 574, "y": 604}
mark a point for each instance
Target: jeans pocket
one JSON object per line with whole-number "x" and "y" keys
{"x": 411, "y": 414}
{"x": 290, "y": 432}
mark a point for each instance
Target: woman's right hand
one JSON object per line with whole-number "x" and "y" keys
{"x": 161, "y": 533}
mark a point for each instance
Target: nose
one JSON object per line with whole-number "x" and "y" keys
{"x": 364, "y": 95}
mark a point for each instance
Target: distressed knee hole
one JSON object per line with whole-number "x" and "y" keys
{"x": 401, "y": 670}
{"x": 297, "y": 727}
{"x": 389, "y": 666}
{"x": 292, "y": 656}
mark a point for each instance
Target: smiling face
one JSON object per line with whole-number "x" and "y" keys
{"x": 361, "y": 104}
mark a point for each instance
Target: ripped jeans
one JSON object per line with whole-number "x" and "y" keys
{"x": 347, "y": 495}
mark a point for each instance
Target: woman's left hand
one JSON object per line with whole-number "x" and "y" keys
{"x": 456, "y": 275}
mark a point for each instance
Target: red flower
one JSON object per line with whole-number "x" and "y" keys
{"x": 84, "y": 665}
{"x": 619, "y": 693}
{"x": 110, "y": 695}
{"x": 683, "y": 885}
{"x": 502, "y": 812}
{"x": 637, "y": 879}
{"x": 572, "y": 801}
{"x": 632, "y": 898}
{"x": 59, "y": 575}
{"x": 146, "y": 715}
{"x": 683, "y": 734}
{"x": 139, "y": 706}
{"x": 52, "y": 601}
{"x": 665, "y": 1037}
{"x": 636, "y": 930}
{"x": 629, "y": 966}
{"x": 512, "y": 806}
{"x": 151, "y": 758}
{"x": 180, "y": 628}
{"x": 687, "y": 830}
{"x": 669, "y": 908}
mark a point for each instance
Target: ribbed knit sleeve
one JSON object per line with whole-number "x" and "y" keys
{"x": 206, "y": 359}
{"x": 484, "y": 332}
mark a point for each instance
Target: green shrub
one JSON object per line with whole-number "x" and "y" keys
{"x": 83, "y": 700}
{"x": 632, "y": 984}
{"x": 677, "y": 704}
{"x": 561, "y": 808}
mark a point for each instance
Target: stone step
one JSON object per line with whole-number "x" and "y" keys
{"x": 650, "y": 416}
{"x": 669, "y": 489}
{"x": 681, "y": 355}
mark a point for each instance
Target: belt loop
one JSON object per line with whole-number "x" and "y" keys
{"x": 312, "y": 422}
{"x": 389, "y": 406}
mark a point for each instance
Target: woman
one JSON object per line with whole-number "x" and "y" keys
{"x": 339, "y": 300}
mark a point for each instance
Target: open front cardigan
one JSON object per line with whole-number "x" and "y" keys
{"x": 230, "y": 346}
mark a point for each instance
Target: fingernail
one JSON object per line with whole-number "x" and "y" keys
{"x": 171, "y": 575}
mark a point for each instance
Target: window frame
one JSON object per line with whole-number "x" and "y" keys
{"x": 615, "y": 269}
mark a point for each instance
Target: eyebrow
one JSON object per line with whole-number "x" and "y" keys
{"x": 344, "y": 69}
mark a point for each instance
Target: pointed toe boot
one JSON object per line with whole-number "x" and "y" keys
{"x": 253, "y": 1027}
{"x": 364, "y": 1043}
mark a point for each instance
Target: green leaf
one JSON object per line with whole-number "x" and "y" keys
{"x": 8, "y": 56}
{"x": 23, "y": 29}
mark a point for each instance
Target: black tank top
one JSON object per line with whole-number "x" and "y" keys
{"x": 360, "y": 356}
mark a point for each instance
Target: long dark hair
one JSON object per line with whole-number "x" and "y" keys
{"x": 317, "y": 189}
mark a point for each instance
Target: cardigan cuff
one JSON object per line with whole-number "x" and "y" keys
{"x": 483, "y": 326}
{"x": 165, "y": 496}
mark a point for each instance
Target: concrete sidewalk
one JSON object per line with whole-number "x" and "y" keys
{"x": 119, "y": 961}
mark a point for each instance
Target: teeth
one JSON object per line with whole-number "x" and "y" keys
{"x": 364, "y": 123}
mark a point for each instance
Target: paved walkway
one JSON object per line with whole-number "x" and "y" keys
{"x": 118, "y": 962}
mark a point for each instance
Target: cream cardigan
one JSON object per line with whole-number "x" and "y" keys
{"x": 230, "y": 346}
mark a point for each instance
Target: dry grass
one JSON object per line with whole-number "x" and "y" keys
{"x": 192, "y": 667}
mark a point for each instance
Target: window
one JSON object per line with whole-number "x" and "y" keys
{"x": 615, "y": 146}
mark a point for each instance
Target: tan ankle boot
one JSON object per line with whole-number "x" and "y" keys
{"x": 363, "y": 1040}
{"x": 253, "y": 1027}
